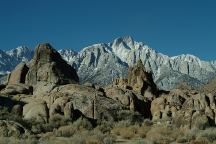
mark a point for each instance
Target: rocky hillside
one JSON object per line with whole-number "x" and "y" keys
{"x": 43, "y": 100}
{"x": 101, "y": 63}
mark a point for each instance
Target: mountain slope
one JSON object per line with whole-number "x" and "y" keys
{"x": 100, "y": 63}
{"x": 96, "y": 62}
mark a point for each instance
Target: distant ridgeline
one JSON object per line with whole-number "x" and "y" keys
{"x": 100, "y": 63}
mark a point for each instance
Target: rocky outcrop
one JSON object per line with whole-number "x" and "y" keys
{"x": 140, "y": 81}
{"x": 185, "y": 109}
{"x": 37, "y": 111}
{"x": 14, "y": 89}
{"x": 91, "y": 102}
{"x": 47, "y": 66}
{"x": 130, "y": 100}
{"x": 12, "y": 129}
{"x": 18, "y": 74}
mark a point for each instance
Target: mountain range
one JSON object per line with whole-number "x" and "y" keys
{"x": 101, "y": 63}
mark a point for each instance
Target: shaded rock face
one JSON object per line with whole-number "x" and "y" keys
{"x": 130, "y": 100}
{"x": 14, "y": 89}
{"x": 18, "y": 74}
{"x": 91, "y": 102}
{"x": 47, "y": 66}
{"x": 36, "y": 110}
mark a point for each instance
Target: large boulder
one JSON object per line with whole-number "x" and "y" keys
{"x": 90, "y": 101}
{"x": 130, "y": 100}
{"x": 37, "y": 111}
{"x": 18, "y": 75}
{"x": 14, "y": 89}
{"x": 47, "y": 66}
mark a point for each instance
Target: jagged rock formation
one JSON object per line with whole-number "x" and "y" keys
{"x": 185, "y": 109}
{"x": 48, "y": 66}
{"x": 57, "y": 92}
{"x": 139, "y": 81}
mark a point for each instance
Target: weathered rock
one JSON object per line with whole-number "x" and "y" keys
{"x": 121, "y": 82}
{"x": 68, "y": 110}
{"x": 18, "y": 75}
{"x": 47, "y": 66}
{"x": 91, "y": 102}
{"x": 17, "y": 109}
{"x": 12, "y": 129}
{"x": 185, "y": 109}
{"x": 58, "y": 106}
{"x": 142, "y": 81}
{"x": 37, "y": 111}
{"x": 14, "y": 89}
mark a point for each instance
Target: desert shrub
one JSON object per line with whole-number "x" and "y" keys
{"x": 58, "y": 120}
{"x": 54, "y": 123}
{"x": 127, "y": 134}
{"x": 133, "y": 117}
{"x": 125, "y": 130}
{"x": 83, "y": 123}
{"x": 6, "y": 115}
{"x": 123, "y": 123}
{"x": 208, "y": 134}
{"x": 97, "y": 137}
{"x": 147, "y": 122}
{"x": 65, "y": 131}
{"x": 109, "y": 140}
{"x": 105, "y": 126}
{"x": 78, "y": 139}
{"x": 188, "y": 135}
{"x": 161, "y": 134}
{"x": 12, "y": 140}
{"x": 143, "y": 130}
{"x": 80, "y": 125}
{"x": 200, "y": 141}
{"x": 143, "y": 141}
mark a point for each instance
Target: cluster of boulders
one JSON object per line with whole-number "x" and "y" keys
{"x": 185, "y": 109}
{"x": 47, "y": 87}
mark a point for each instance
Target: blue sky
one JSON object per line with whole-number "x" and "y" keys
{"x": 171, "y": 27}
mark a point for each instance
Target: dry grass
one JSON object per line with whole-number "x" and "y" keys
{"x": 160, "y": 134}
{"x": 131, "y": 131}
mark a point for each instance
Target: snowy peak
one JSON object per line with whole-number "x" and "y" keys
{"x": 67, "y": 54}
{"x": 100, "y": 63}
{"x": 21, "y": 53}
{"x": 126, "y": 42}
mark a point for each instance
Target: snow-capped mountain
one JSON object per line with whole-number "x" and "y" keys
{"x": 9, "y": 59}
{"x": 100, "y": 63}
{"x": 68, "y": 54}
{"x": 21, "y": 53}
